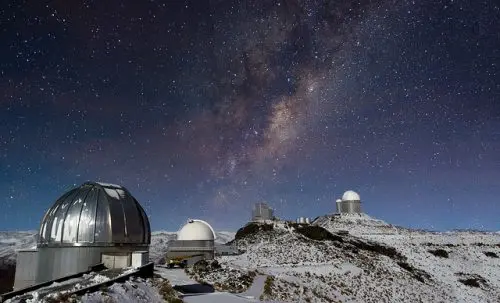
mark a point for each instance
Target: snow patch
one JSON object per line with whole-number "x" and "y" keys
{"x": 112, "y": 193}
{"x": 109, "y": 185}
{"x": 99, "y": 279}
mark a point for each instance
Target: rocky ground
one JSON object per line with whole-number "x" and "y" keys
{"x": 309, "y": 263}
{"x": 222, "y": 277}
{"x": 334, "y": 259}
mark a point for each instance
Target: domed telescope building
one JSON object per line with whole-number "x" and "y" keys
{"x": 91, "y": 224}
{"x": 195, "y": 241}
{"x": 349, "y": 204}
{"x": 261, "y": 212}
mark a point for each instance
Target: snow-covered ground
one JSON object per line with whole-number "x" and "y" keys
{"x": 10, "y": 242}
{"x": 132, "y": 291}
{"x": 58, "y": 289}
{"x": 178, "y": 277}
{"x": 464, "y": 254}
{"x": 139, "y": 290}
{"x": 373, "y": 262}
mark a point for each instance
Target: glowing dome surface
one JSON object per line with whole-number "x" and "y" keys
{"x": 196, "y": 230}
{"x": 351, "y": 196}
{"x": 95, "y": 214}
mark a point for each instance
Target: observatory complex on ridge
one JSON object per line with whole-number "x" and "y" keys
{"x": 101, "y": 225}
{"x": 349, "y": 204}
{"x": 262, "y": 212}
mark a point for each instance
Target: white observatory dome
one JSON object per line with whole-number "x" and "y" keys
{"x": 351, "y": 196}
{"x": 196, "y": 230}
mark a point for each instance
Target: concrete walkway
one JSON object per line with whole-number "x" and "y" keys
{"x": 194, "y": 292}
{"x": 256, "y": 288}
{"x": 176, "y": 276}
{"x": 216, "y": 297}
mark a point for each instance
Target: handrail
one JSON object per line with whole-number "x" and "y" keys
{"x": 8, "y": 295}
{"x": 143, "y": 271}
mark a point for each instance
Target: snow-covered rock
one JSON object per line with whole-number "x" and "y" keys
{"x": 465, "y": 255}
{"x": 354, "y": 258}
{"x": 132, "y": 291}
{"x": 375, "y": 262}
{"x": 223, "y": 278}
{"x": 357, "y": 224}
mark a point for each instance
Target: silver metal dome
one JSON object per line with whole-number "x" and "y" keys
{"x": 95, "y": 214}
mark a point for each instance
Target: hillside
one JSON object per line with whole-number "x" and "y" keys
{"x": 10, "y": 242}
{"x": 372, "y": 262}
{"x": 358, "y": 225}
{"x": 466, "y": 262}
{"x": 383, "y": 267}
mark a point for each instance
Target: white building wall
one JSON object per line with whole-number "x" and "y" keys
{"x": 58, "y": 262}
{"x": 350, "y": 207}
{"x": 140, "y": 258}
{"x": 111, "y": 260}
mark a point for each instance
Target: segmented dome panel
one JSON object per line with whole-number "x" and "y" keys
{"x": 95, "y": 214}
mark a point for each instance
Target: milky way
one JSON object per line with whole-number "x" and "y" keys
{"x": 202, "y": 109}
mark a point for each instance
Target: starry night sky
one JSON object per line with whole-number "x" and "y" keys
{"x": 202, "y": 108}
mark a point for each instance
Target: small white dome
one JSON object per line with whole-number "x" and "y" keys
{"x": 351, "y": 196}
{"x": 338, "y": 200}
{"x": 196, "y": 230}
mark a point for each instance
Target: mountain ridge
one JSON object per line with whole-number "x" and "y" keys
{"x": 353, "y": 258}
{"x": 373, "y": 262}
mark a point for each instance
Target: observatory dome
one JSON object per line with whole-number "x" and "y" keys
{"x": 196, "y": 230}
{"x": 350, "y": 196}
{"x": 95, "y": 214}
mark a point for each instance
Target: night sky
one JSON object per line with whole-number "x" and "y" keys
{"x": 202, "y": 108}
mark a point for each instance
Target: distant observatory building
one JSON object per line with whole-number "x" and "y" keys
{"x": 262, "y": 212}
{"x": 303, "y": 220}
{"x": 91, "y": 224}
{"x": 196, "y": 237}
{"x": 349, "y": 204}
